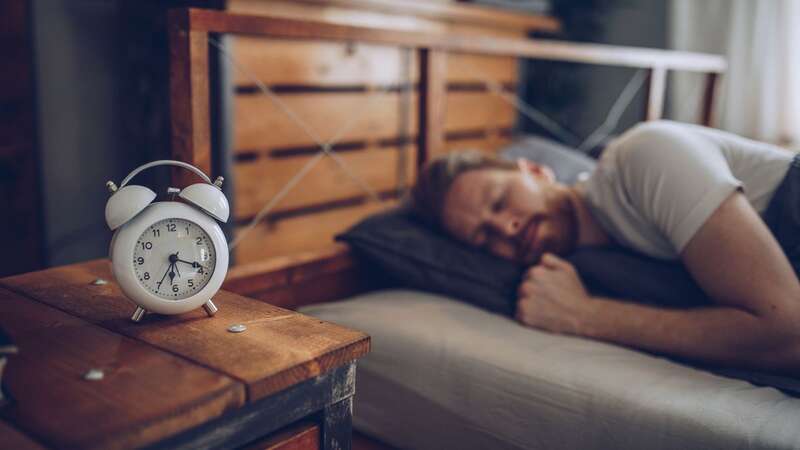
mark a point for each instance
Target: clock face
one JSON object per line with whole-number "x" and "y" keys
{"x": 174, "y": 259}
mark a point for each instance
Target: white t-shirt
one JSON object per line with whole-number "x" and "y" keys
{"x": 659, "y": 182}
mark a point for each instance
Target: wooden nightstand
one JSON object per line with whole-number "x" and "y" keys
{"x": 170, "y": 381}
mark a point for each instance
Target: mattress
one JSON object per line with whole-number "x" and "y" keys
{"x": 446, "y": 375}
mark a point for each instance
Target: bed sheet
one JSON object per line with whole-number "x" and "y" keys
{"x": 443, "y": 374}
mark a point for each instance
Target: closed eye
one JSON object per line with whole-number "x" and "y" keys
{"x": 500, "y": 202}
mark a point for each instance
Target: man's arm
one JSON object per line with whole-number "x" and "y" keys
{"x": 736, "y": 261}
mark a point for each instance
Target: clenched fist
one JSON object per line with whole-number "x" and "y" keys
{"x": 552, "y": 297}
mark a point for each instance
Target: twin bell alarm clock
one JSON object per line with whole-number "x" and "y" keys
{"x": 168, "y": 257}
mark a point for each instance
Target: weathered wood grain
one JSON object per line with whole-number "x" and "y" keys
{"x": 212, "y": 21}
{"x": 189, "y": 98}
{"x": 278, "y": 272}
{"x": 278, "y": 62}
{"x": 257, "y": 182}
{"x": 300, "y": 436}
{"x": 255, "y": 420}
{"x": 306, "y": 232}
{"x": 301, "y": 279}
{"x": 260, "y": 124}
{"x": 466, "y": 68}
{"x": 146, "y": 394}
{"x": 477, "y": 111}
{"x": 318, "y": 63}
{"x": 410, "y": 14}
{"x": 324, "y": 288}
{"x": 488, "y": 144}
{"x": 279, "y": 349}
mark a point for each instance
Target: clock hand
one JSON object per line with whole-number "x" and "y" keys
{"x": 173, "y": 266}
{"x": 162, "y": 278}
{"x": 193, "y": 264}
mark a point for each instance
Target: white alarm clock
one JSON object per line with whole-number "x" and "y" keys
{"x": 168, "y": 257}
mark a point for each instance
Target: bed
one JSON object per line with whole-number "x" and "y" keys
{"x": 434, "y": 378}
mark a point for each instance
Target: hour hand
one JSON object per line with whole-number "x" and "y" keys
{"x": 193, "y": 264}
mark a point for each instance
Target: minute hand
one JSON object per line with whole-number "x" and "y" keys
{"x": 162, "y": 278}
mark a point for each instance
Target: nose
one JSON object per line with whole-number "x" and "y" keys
{"x": 507, "y": 224}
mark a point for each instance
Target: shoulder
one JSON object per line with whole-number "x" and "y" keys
{"x": 663, "y": 145}
{"x": 650, "y": 138}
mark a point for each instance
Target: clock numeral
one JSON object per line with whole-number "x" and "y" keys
{"x": 147, "y": 245}
{"x": 199, "y": 240}
{"x": 159, "y": 284}
{"x": 200, "y": 269}
{"x": 171, "y": 227}
{"x": 140, "y": 260}
{"x": 174, "y": 288}
{"x": 191, "y": 283}
{"x": 147, "y": 275}
{"x": 156, "y": 233}
{"x": 187, "y": 231}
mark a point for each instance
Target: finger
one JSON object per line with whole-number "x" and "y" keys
{"x": 551, "y": 261}
{"x": 525, "y": 289}
{"x": 535, "y": 271}
{"x": 518, "y": 311}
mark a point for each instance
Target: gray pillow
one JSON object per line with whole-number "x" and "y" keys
{"x": 408, "y": 254}
{"x": 567, "y": 163}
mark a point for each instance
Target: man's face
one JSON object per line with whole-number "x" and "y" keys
{"x": 514, "y": 214}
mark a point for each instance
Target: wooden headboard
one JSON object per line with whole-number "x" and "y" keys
{"x": 436, "y": 101}
{"x": 325, "y": 83}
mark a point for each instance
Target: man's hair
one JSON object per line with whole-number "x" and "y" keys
{"x": 437, "y": 176}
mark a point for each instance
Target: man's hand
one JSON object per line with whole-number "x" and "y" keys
{"x": 552, "y": 297}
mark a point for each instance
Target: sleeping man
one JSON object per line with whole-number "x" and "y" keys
{"x": 667, "y": 190}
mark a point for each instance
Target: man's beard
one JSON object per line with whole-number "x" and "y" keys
{"x": 562, "y": 222}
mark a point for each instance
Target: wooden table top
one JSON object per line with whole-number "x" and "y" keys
{"x": 163, "y": 375}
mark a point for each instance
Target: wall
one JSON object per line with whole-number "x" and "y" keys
{"x": 101, "y": 77}
{"x": 579, "y": 96}
{"x": 75, "y": 50}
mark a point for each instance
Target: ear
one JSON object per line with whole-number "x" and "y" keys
{"x": 537, "y": 170}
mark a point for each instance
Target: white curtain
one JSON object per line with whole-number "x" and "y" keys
{"x": 760, "y": 94}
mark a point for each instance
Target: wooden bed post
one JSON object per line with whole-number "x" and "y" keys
{"x": 656, "y": 86}
{"x": 432, "y": 102}
{"x": 189, "y": 103}
{"x": 707, "y": 110}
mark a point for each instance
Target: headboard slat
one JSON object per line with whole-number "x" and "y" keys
{"x": 220, "y": 22}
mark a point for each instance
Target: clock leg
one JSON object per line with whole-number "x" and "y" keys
{"x": 138, "y": 314}
{"x": 210, "y": 308}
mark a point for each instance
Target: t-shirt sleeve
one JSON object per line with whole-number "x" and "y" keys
{"x": 676, "y": 178}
